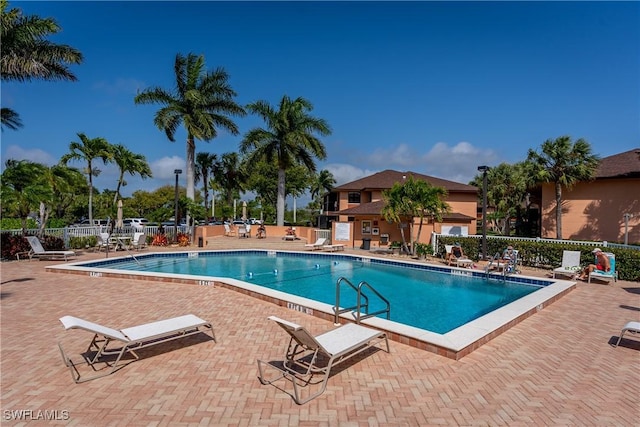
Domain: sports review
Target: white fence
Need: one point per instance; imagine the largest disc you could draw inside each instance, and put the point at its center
(67, 233)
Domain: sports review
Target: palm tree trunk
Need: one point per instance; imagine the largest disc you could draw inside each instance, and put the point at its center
(90, 196)
(280, 201)
(413, 247)
(558, 211)
(205, 189)
(191, 154)
(117, 195)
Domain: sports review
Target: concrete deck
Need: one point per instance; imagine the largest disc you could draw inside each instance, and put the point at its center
(557, 367)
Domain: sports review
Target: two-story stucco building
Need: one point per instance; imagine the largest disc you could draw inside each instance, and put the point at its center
(354, 210)
(599, 209)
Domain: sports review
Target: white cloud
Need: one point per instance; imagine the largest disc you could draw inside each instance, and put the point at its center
(457, 163)
(401, 156)
(163, 168)
(35, 155)
(344, 173)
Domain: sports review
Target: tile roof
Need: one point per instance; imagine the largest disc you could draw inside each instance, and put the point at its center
(622, 165)
(386, 179)
(374, 208)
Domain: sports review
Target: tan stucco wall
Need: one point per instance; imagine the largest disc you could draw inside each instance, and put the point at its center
(463, 203)
(594, 210)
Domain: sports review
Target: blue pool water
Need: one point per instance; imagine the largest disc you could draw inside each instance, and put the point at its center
(419, 297)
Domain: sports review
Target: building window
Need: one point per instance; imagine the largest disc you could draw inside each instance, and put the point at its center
(354, 197)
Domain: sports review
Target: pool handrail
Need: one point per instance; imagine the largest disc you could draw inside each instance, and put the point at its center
(359, 306)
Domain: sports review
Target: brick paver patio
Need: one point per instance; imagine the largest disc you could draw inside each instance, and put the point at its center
(557, 367)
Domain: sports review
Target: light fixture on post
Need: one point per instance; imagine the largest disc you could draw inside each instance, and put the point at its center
(484, 170)
(175, 218)
(626, 227)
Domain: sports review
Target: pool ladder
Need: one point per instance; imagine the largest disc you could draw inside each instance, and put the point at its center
(510, 268)
(357, 309)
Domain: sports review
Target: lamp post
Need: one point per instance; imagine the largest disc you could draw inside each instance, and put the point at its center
(626, 227)
(213, 204)
(484, 170)
(175, 217)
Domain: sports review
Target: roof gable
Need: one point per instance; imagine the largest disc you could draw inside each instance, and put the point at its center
(385, 179)
(620, 165)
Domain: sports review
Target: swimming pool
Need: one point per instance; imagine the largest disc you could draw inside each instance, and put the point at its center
(443, 309)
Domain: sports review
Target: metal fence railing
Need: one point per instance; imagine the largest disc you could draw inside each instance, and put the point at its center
(67, 233)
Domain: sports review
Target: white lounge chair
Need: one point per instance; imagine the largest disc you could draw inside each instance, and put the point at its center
(228, 231)
(606, 276)
(103, 242)
(307, 355)
(447, 253)
(632, 327)
(139, 241)
(333, 247)
(131, 339)
(38, 251)
(570, 264)
(317, 245)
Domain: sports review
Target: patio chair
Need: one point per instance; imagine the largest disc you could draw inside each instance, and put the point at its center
(228, 231)
(139, 241)
(334, 247)
(457, 256)
(103, 242)
(307, 355)
(38, 251)
(447, 253)
(606, 276)
(570, 264)
(243, 231)
(130, 339)
(317, 245)
(631, 327)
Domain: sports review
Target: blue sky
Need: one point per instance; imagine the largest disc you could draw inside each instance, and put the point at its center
(432, 87)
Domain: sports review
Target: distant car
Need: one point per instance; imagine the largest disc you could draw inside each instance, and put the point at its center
(87, 223)
(136, 223)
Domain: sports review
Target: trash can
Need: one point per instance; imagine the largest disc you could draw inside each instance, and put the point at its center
(200, 243)
(366, 244)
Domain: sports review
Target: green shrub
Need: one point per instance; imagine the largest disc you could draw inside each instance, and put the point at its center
(83, 242)
(545, 254)
(11, 245)
(16, 223)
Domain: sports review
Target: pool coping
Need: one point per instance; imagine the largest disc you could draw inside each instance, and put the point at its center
(454, 344)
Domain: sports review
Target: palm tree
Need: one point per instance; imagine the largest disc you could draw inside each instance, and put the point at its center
(10, 119)
(88, 150)
(288, 140)
(322, 183)
(205, 164)
(131, 163)
(564, 163)
(230, 176)
(414, 198)
(506, 192)
(62, 180)
(26, 54)
(201, 101)
(24, 188)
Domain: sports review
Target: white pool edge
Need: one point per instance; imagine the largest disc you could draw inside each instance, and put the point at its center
(454, 344)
